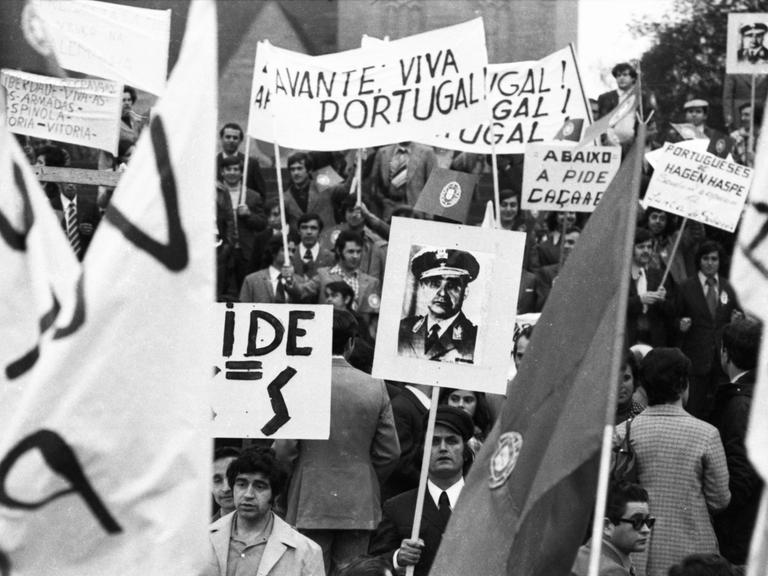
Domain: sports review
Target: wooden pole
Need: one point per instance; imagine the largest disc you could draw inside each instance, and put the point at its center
(281, 199)
(674, 251)
(420, 494)
(241, 198)
(751, 140)
(359, 176)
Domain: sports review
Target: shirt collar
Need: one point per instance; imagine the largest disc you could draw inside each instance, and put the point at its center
(443, 324)
(453, 492)
(315, 250)
(66, 201)
(421, 397)
(703, 280)
(273, 274)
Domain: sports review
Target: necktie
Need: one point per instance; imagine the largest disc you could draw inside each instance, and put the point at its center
(444, 507)
(73, 233)
(712, 296)
(431, 340)
(398, 170)
(307, 256)
(280, 291)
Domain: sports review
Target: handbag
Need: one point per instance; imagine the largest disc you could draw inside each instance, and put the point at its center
(624, 467)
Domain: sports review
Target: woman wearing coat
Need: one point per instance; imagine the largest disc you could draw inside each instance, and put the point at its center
(680, 462)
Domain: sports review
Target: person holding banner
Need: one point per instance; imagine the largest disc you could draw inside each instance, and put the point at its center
(278, 283)
(623, 133)
(662, 227)
(449, 458)
(230, 138)
(303, 194)
(400, 172)
(131, 125)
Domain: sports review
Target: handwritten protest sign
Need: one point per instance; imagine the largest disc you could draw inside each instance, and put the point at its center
(272, 375)
(560, 178)
(404, 90)
(83, 111)
(123, 43)
(699, 186)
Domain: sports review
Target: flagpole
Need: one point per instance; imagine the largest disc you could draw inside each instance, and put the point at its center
(495, 170)
(674, 252)
(281, 199)
(751, 140)
(616, 359)
(359, 176)
(241, 199)
(561, 259)
(424, 469)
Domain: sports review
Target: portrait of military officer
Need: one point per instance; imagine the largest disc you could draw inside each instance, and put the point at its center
(442, 332)
(752, 49)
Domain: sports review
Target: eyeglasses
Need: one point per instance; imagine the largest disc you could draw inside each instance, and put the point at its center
(637, 521)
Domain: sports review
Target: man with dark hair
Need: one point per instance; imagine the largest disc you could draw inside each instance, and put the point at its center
(220, 489)
(231, 137)
(738, 356)
(449, 457)
(626, 529)
(647, 307)
(623, 132)
(334, 496)
(311, 255)
(303, 195)
(546, 275)
(253, 539)
(277, 283)
(443, 333)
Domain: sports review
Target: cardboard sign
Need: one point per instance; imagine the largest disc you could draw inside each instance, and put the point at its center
(465, 280)
(699, 186)
(123, 43)
(272, 375)
(84, 111)
(561, 179)
(529, 101)
(746, 48)
(408, 89)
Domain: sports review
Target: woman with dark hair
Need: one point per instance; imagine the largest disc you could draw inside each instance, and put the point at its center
(704, 304)
(664, 231)
(680, 462)
(474, 404)
(626, 407)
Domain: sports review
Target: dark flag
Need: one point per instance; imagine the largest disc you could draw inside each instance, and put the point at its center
(571, 130)
(447, 193)
(526, 506)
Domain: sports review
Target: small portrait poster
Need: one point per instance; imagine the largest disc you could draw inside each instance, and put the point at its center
(747, 50)
(448, 305)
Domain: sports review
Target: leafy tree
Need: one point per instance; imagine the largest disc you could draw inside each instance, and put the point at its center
(687, 58)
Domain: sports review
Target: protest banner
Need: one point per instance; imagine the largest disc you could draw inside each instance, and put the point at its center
(108, 467)
(699, 186)
(746, 52)
(472, 280)
(123, 43)
(272, 374)
(405, 90)
(563, 179)
(83, 111)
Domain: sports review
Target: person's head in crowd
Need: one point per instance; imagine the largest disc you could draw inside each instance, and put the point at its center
(129, 99)
(273, 254)
(521, 344)
(366, 566)
(707, 564)
(69, 190)
(443, 277)
(344, 331)
(708, 258)
(473, 403)
(231, 170)
(349, 250)
(665, 374)
(627, 524)
(256, 479)
(272, 208)
(569, 241)
(450, 453)
(555, 220)
(310, 225)
(625, 75)
(658, 222)
(230, 135)
(509, 207)
(745, 116)
(741, 345)
(300, 167)
(221, 490)
(696, 112)
(643, 247)
(627, 380)
(353, 212)
(339, 294)
(49, 155)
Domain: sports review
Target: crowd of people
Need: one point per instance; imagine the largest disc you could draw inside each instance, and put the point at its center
(345, 505)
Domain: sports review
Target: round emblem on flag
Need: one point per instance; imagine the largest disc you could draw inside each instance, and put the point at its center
(450, 194)
(374, 301)
(504, 458)
(568, 128)
(323, 179)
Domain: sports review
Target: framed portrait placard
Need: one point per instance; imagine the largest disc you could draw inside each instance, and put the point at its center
(747, 46)
(448, 306)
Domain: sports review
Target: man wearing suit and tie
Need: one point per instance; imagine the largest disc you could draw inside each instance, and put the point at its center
(79, 216)
(277, 283)
(444, 333)
(311, 254)
(448, 456)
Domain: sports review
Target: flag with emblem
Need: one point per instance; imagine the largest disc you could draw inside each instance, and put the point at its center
(534, 482)
(571, 130)
(447, 194)
(104, 462)
(749, 275)
(627, 105)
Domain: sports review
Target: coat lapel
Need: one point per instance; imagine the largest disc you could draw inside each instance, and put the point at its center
(279, 541)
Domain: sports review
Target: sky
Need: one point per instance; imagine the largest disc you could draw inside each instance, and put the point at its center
(605, 40)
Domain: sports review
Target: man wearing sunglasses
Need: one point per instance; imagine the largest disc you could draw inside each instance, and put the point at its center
(626, 529)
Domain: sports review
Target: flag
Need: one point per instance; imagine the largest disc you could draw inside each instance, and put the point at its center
(571, 130)
(448, 194)
(627, 105)
(528, 498)
(104, 466)
(749, 275)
